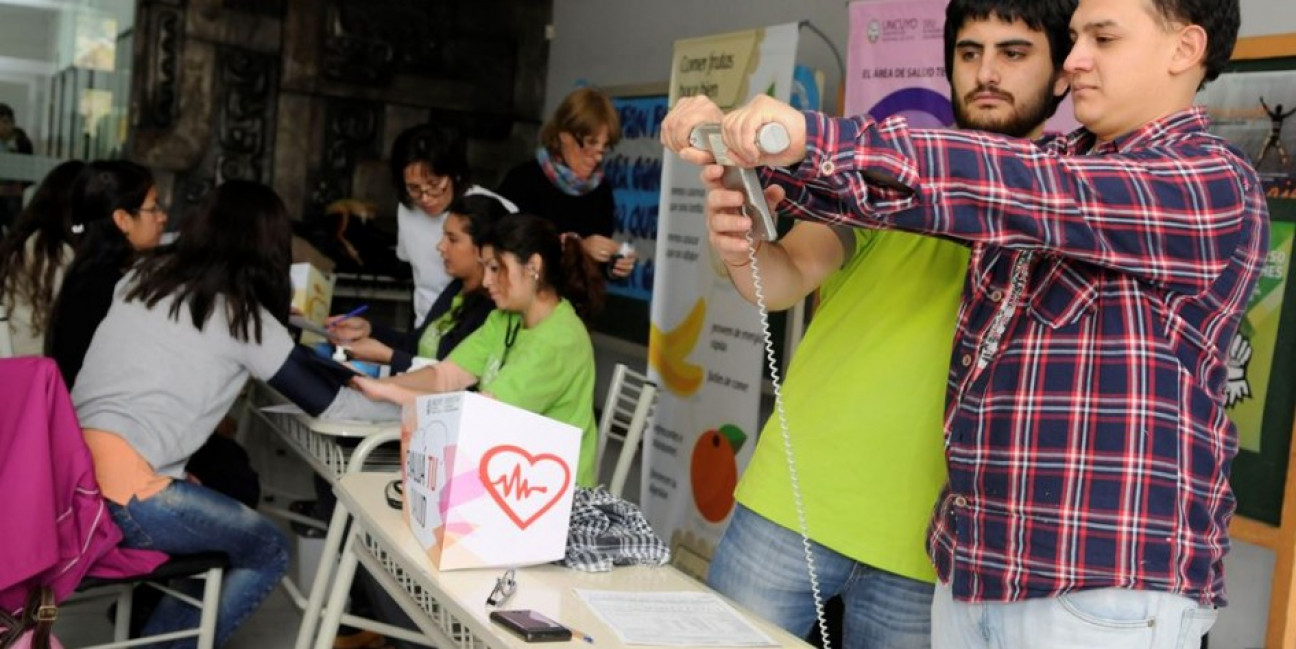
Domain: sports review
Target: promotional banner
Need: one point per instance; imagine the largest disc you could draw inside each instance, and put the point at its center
(705, 342)
(634, 168)
(896, 65)
(1250, 110)
(1251, 354)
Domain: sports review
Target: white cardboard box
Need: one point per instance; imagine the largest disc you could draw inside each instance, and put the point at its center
(487, 484)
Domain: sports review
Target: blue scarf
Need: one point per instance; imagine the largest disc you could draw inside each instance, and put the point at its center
(563, 178)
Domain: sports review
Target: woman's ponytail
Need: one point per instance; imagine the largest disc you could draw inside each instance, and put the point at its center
(583, 283)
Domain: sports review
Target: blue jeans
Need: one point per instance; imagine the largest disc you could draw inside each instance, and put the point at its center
(186, 518)
(1112, 618)
(761, 565)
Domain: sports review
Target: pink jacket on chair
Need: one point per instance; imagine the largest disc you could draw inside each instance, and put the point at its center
(54, 526)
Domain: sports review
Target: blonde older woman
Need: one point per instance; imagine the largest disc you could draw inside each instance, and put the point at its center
(564, 182)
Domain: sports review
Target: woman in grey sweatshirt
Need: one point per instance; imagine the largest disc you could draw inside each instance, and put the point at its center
(187, 326)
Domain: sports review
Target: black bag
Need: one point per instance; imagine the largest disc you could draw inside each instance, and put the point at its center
(224, 466)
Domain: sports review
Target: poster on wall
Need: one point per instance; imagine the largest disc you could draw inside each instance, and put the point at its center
(896, 65)
(705, 343)
(1256, 111)
(1251, 354)
(634, 168)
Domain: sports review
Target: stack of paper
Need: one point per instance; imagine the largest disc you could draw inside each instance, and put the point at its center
(673, 619)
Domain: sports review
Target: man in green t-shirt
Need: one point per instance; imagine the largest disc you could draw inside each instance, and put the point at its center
(865, 392)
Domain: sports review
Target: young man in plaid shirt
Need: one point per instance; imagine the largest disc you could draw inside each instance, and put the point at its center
(871, 465)
(1086, 440)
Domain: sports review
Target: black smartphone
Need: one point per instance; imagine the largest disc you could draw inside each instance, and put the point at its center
(531, 626)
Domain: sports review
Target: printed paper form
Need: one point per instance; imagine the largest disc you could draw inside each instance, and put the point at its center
(673, 619)
(284, 409)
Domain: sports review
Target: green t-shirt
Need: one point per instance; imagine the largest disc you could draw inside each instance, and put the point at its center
(431, 339)
(864, 398)
(549, 370)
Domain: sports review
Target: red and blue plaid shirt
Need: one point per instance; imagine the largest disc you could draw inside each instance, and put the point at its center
(1086, 437)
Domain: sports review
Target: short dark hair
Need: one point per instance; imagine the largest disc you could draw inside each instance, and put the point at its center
(1053, 17)
(443, 150)
(479, 212)
(234, 255)
(6, 111)
(1219, 18)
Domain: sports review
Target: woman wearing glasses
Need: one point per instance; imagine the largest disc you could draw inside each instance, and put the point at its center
(457, 312)
(116, 214)
(429, 169)
(564, 182)
(533, 352)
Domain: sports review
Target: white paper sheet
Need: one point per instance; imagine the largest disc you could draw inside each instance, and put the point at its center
(284, 408)
(673, 619)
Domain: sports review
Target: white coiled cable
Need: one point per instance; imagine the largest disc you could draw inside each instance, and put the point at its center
(793, 477)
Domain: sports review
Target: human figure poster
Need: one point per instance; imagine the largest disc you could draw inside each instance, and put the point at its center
(1256, 111)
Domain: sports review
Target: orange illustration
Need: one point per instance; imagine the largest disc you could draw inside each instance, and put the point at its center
(714, 471)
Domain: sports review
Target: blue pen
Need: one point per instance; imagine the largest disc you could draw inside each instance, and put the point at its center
(349, 314)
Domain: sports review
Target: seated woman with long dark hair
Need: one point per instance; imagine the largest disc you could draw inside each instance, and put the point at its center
(533, 351)
(115, 215)
(187, 326)
(33, 257)
(457, 312)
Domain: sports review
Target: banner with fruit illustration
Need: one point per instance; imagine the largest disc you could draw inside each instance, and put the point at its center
(705, 343)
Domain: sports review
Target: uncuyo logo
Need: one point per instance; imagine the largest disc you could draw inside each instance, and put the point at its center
(874, 31)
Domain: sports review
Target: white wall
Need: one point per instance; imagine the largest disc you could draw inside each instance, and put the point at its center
(26, 33)
(27, 45)
(1262, 17)
(628, 42)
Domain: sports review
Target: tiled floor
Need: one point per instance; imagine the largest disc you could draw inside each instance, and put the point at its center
(275, 623)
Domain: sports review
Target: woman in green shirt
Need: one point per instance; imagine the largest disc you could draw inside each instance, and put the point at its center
(533, 351)
(457, 312)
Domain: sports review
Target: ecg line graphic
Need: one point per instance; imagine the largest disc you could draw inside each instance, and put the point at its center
(514, 480)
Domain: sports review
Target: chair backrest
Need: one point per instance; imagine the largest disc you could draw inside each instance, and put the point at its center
(630, 401)
(6, 341)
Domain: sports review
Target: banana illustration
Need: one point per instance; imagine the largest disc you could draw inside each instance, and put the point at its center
(667, 351)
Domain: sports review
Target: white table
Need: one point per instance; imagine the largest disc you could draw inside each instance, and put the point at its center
(450, 607)
(322, 443)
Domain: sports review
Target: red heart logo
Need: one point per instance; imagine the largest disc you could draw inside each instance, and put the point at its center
(525, 486)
